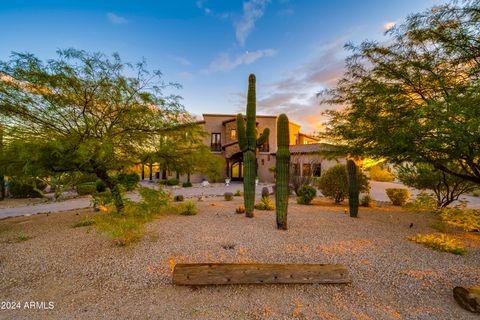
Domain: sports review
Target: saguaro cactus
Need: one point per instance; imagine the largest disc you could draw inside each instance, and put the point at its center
(353, 191)
(248, 142)
(282, 171)
(2, 178)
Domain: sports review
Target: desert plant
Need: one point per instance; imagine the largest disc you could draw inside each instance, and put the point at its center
(423, 202)
(353, 191)
(190, 209)
(86, 188)
(186, 184)
(248, 142)
(85, 222)
(367, 201)
(282, 171)
(265, 192)
(100, 185)
(173, 182)
(398, 196)
(178, 198)
(228, 196)
(377, 173)
(306, 194)
(238, 193)
(468, 220)
(265, 203)
(334, 183)
(240, 209)
(21, 236)
(128, 180)
(440, 242)
(24, 188)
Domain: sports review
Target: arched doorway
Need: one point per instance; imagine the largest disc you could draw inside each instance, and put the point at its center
(236, 167)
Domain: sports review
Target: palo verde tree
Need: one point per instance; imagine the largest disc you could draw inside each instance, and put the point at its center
(415, 97)
(84, 112)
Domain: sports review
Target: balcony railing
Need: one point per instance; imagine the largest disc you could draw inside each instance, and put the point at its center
(216, 147)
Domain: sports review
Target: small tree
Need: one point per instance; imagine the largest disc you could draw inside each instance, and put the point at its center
(334, 183)
(447, 188)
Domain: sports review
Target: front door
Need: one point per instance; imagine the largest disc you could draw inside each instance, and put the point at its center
(236, 172)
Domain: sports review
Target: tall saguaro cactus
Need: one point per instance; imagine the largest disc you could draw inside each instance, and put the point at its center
(353, 190)
(282, 171)
(248, 142)
(2, 177)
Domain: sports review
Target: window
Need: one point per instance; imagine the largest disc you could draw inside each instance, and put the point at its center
(233, 134)
(216, 144)
(307, 170)
(317, 169)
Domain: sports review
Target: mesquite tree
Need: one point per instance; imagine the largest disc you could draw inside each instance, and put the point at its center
(84, 112)
(248, 142)
(282, 171)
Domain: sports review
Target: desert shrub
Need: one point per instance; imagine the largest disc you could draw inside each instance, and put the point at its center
(240, 209)
(20, 189)
(376, 173)
(468, 220)
(190, 209)
(86, 188)
(86, 177)
(265, 192)
(100, 186)
(178, 198)
(306, 194)
(423, 202)
(265, 203)
(398, 196)
(186, 184)
(128, 180)
(85, 222)
(228, 196)
(476, 194)
(21, 236)
(163, 182)
(334, 183)
(238, 193)
(367, 201)
(440, 242)
(173, 182)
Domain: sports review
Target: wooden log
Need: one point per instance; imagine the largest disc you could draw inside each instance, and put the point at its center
(230, 273)
(468, 298)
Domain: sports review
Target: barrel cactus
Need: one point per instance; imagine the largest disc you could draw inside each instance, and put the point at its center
(353, 191)
(282, 171)
(248, 142)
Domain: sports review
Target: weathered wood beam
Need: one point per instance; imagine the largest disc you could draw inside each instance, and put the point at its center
(230, 273)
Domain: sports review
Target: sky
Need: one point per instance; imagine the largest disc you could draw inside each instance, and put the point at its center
(295, 47)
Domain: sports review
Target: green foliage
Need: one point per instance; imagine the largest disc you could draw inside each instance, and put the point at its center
(282, 171)
(334, 184)
(187, 184)
(85, 222)
(468, 220)
(21, 236)
(367, 201)
(423, 202)
(248, 142)
(228, 196)
(86, 177)
(86, 188)
(173, 182)
(238, 193)
(190, 209)
(447, 188)
(178, 198)
(398, 196)
(414, 96)
(266, 203)
(163, 182)
(377, 173)
(24, 189)
(440, 242)
(100, 186)
(128, 180)
(306, 194)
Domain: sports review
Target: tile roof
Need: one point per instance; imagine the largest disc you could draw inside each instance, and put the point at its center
(309, 148)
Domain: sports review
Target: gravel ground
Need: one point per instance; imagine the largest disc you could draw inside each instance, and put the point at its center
(86, 277)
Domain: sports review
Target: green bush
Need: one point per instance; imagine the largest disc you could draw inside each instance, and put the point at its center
(128, 180)
(376, 173)
(173, 182)
(468, 220)
(238, 193)
(163, 182)
(190, 209)
(101, 186)
(86, 177)
(23, 190)
(367, 201)
(334, 183)
(228, 196)
(265, 203)
(398, 196)
(306, 194)
(186, 184)
(178, 198)
(86, 188)
(440, 242)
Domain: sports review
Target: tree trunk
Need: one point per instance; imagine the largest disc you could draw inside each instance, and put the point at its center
(188, 177)
(143, 171)
(151, 172)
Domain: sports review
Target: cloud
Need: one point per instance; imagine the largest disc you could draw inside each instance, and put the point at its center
(389, 25)
(181, 60)
(224, 62)
(185, 75)
(209, 11)
(116, 19)
(252, 11)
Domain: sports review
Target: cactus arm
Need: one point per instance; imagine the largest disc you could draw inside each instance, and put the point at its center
(251, 114)
(241, 134)
(282, 172)
(264, 137)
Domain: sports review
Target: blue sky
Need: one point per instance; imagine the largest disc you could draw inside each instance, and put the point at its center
(210, 46)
